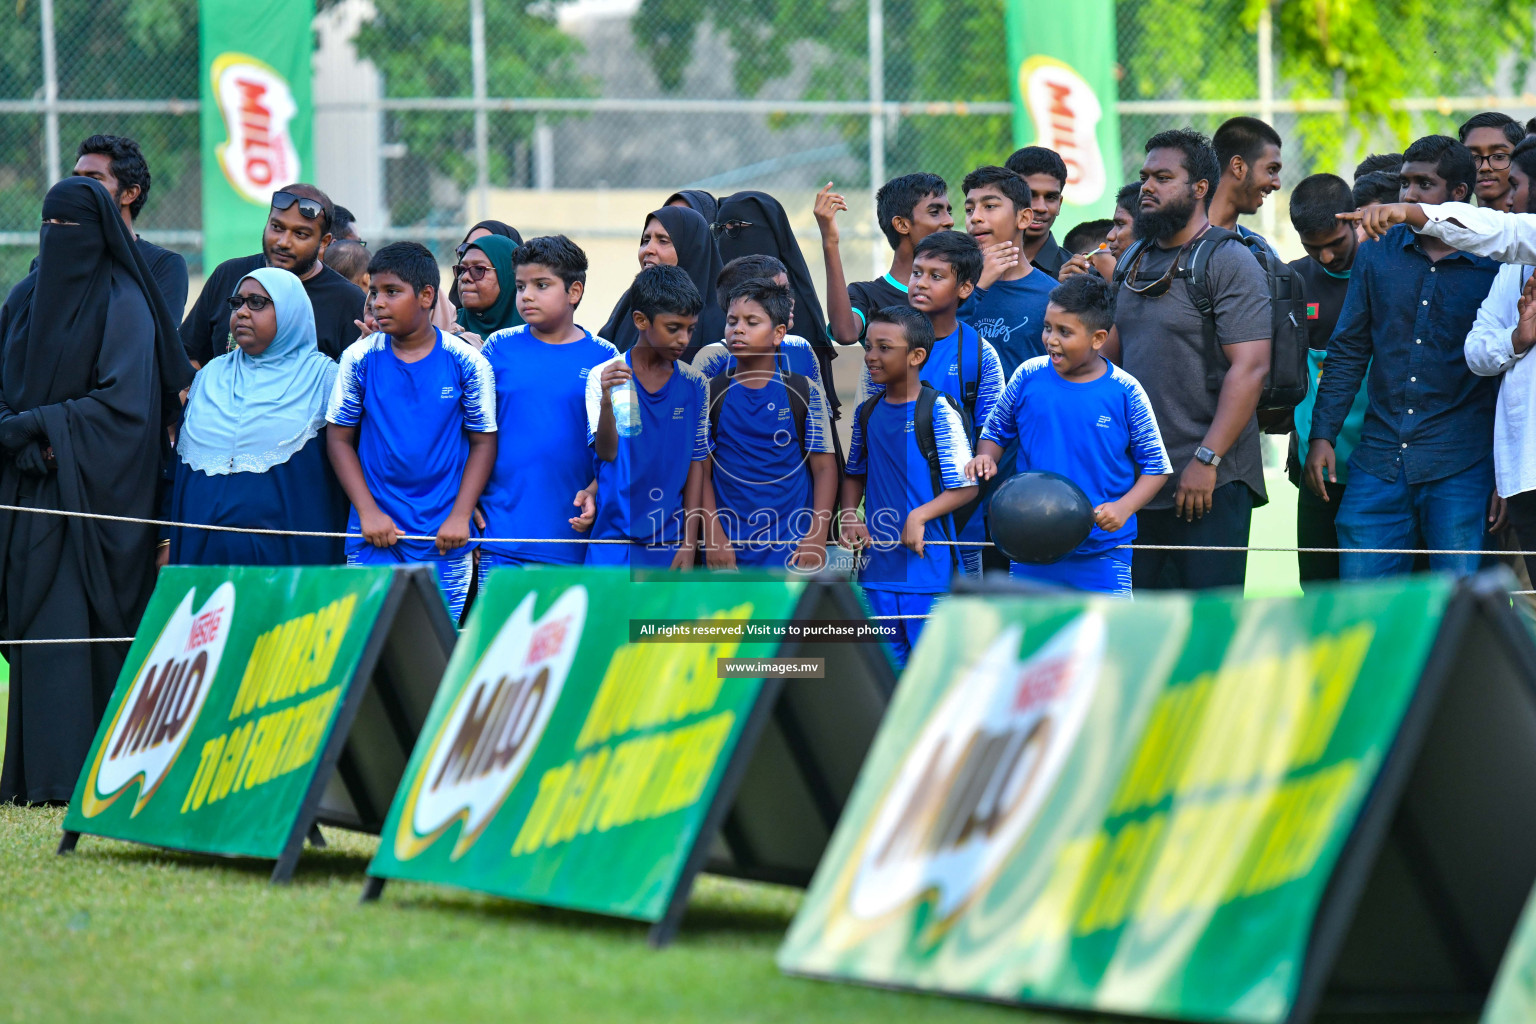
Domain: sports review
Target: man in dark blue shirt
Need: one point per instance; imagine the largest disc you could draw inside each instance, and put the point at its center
(1422, 473)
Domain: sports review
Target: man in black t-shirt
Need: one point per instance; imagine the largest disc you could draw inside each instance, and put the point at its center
(1331, 245)
(910, 208)
(118, 163)
(1046, 173)
(298, 230)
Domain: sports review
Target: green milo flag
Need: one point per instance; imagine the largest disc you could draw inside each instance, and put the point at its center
(1061, 58)
(1123, 807)
(256, 115)
(227, 700)
(563, 764)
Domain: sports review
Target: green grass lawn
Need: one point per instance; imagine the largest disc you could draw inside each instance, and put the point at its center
(1274, 525)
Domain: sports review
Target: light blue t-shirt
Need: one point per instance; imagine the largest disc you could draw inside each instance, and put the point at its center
(640, 493)
(762, 480)
(541, 410)
(897, 480)
(412, 420)
(1096, 433)
(795, 356)
(1011, 316)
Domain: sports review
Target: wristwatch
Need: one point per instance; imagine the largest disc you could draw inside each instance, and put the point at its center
(1205, 455)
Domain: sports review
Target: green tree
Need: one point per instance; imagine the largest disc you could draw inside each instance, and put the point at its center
(422, 49)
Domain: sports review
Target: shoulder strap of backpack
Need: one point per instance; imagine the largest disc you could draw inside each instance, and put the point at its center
(866, 408)
(799, 387)
(1197, 262)
(970, 384)
(717, 387)
(928, 445)
(1126, 261)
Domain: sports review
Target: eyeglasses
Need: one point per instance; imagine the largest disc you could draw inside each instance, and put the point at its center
(308, 208)
(730, 227)
(475, 273)
(257, 303)
(1497, 161)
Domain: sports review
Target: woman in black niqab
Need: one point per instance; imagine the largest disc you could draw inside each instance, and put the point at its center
(755, 224)
(90, 370)
(693, 249)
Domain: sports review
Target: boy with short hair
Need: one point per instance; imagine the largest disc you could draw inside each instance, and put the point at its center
(413, 427)
(541, 487)
(1074, 413)
(350, 260)
(773, 471)
(961, 363)
(650, 485)
(1248, 153)
(795, 353)
(1008, 305)
(1045, 172)
(908, 498)
(909, 209)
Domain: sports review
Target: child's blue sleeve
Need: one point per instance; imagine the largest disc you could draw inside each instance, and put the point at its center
(818, 424)
(712, 358)
(990, 388)
(345, 409)
(857, 463)
(477, 388)
(703, 444)
(1002, 426)
(595, 398)
(954, 447)
(1147, 449)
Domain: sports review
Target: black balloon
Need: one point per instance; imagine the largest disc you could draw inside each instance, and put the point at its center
(1039, 518)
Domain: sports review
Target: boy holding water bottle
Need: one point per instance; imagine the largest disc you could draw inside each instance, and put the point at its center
(648, 424)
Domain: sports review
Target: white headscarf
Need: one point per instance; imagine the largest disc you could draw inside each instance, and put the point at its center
(246, 414)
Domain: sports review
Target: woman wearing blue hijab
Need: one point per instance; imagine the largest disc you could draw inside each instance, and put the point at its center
(252, 443)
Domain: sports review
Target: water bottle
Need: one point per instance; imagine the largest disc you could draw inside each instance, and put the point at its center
(626, 409)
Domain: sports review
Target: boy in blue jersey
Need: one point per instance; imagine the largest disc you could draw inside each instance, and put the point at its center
(413, 421)
(1008, 305)
(1076, 414)
(962, 364)
(888, 471)
(772, 480)
(795, 353)
(650, 485)
(542, 487)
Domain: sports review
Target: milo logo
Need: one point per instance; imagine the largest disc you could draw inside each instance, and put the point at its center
(494, 726)
(257, 105)
(157, 715)
(974, 782)
(1066, 113)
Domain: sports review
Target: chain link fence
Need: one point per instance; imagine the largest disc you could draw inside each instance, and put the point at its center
(576, 115)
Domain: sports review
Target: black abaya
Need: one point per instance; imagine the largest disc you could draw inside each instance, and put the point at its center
(696, 254)
(89, 371)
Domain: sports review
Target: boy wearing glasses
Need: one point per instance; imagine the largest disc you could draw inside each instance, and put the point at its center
(412, 428)
(542, 485)
(1492, 138)
(1206, 412)
(298, 230)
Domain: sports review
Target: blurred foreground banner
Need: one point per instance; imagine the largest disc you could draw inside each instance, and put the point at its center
(1198, 808)
(1062, 63)
(256, 115)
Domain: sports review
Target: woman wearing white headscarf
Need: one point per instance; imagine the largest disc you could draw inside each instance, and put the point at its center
(252, 443)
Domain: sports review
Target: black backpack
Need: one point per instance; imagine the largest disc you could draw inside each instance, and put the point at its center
(970, 387)
(927, 444)
(797, 384)
(1285, 387)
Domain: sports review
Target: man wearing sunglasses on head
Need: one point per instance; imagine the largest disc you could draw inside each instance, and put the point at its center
(298, 230)
(1204, 392)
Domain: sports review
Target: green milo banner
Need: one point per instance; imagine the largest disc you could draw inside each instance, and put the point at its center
(1061, 59)
(256, 115)
(1134, 808)
(226, 702)
(563, 764)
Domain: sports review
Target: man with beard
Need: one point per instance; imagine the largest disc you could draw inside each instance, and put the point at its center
(1206, 412)
(298, 230)
(1505, 328)
(1422, 472)
(1248, 153)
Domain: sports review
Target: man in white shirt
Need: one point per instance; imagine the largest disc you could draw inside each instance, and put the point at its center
(1505, 328)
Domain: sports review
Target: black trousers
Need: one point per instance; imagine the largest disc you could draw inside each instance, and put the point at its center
(1521, 509)
(1315, 529)
(1225, 524)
